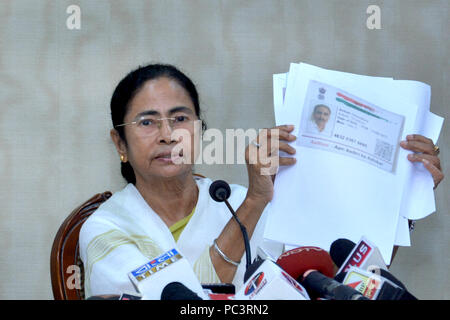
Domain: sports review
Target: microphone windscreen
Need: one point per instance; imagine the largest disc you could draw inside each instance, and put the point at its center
(299, 260)
(178, 291)
(219, 190)
(340, 249)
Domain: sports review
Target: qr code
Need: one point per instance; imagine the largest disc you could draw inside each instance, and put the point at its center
(384, 150)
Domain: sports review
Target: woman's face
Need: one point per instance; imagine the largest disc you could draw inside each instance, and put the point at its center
(151, 151)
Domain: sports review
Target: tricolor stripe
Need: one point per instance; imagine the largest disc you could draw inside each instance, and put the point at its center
(355, 102)
(360, 109)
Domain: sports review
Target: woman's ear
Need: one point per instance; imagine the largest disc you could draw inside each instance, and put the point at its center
(120, 145)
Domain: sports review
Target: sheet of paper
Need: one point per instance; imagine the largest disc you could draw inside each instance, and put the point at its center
(402, 236)
(417, 93)
(419, 200)
(279, 87)
(315, 187)
(280, 84)
(279, 90)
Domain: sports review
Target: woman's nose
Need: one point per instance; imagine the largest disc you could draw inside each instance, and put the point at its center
(165, 131)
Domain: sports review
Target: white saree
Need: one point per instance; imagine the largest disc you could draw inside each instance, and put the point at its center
(125, 233)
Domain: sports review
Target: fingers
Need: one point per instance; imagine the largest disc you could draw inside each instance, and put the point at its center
(425, 152)
(434, 160)
(418, 137)
(418, 143)
(287, 148)
(268, 152)
(280, 132)
(286, 127)
(435, 172)
(418, 146)
(275, 140)
(431, 163)
(270, 139)
(287, 161)
(264, 150)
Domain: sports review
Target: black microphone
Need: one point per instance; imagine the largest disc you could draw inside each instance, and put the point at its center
(220, 191)
(341, 249)
(178, 291)
(318, 284)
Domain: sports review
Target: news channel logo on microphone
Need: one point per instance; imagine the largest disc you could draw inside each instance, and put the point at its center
(156, 264)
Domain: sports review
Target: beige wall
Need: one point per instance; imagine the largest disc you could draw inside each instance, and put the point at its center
(55, 87)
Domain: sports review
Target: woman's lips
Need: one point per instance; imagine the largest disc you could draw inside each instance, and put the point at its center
(167, 157)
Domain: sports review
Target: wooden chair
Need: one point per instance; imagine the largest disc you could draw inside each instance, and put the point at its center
(65, 259)
(65, 256)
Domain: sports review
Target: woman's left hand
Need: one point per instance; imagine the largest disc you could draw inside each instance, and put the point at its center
(425, 152)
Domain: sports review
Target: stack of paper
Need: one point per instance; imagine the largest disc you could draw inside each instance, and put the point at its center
(352, 178)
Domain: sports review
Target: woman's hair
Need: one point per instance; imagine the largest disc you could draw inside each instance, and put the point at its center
(129, 86)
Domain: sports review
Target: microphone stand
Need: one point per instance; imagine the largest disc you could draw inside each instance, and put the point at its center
(220, 191)
(244, 234)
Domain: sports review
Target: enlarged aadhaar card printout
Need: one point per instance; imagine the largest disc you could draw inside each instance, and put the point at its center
(337, 121)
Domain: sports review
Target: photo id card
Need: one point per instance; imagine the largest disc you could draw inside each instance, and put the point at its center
(337, 121)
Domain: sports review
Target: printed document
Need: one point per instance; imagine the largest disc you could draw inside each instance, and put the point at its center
(351, 175)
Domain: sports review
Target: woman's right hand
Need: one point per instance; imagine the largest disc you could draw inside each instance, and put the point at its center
(263, 160)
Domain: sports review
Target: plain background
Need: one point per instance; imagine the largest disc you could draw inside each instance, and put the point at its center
(56, 84)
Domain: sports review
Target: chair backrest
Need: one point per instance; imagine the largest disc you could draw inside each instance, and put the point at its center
(66, 268)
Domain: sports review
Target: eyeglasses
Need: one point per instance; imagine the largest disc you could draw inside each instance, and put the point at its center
(147, 125)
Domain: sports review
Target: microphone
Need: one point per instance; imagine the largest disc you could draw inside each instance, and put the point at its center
(299, 260)
(178, 291)
(313, 268)
(267, 281)
(220, 191)
(363, 273)
(329, 288)
(362, 255)
(342, 250)
(219, 291)
(373, 286)
(151, 278)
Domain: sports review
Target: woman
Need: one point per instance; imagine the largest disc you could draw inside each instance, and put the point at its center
(163, 198)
